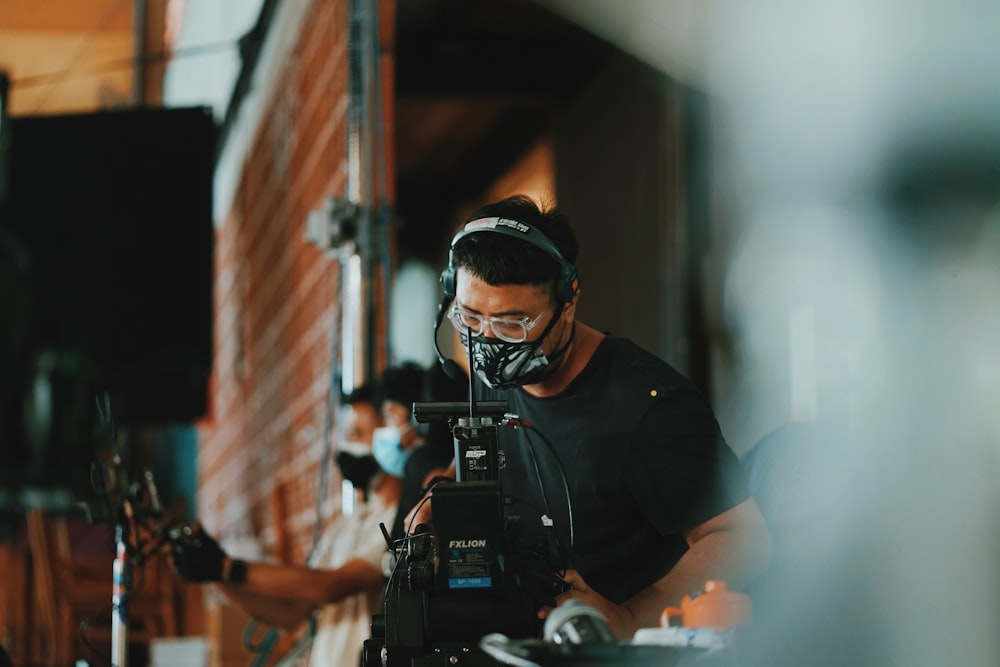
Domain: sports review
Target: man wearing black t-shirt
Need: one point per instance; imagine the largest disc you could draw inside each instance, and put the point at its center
(621, 454)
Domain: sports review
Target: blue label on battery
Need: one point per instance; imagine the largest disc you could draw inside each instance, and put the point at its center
(470, 582)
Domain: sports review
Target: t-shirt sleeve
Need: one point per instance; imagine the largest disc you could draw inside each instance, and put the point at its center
(680, 470)
(371, 542)
(353, 536)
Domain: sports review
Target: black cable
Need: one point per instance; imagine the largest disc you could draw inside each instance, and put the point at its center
(85, 623)
(434, 482)
(406, 538)
(399, 544)
(557, 568)
(395, 567)
(538, 476)
(562, 474)
(523, 501)
(417, 509)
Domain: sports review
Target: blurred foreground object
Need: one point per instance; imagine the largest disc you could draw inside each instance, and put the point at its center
(715, 607)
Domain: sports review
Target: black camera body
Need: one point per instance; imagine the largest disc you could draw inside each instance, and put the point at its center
(473, 571)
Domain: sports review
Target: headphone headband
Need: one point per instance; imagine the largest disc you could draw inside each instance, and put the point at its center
(568, 282)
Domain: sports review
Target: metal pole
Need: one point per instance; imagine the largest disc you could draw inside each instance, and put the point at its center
(119, 601)
(139, 52)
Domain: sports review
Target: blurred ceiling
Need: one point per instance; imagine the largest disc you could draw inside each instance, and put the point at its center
(475, 85)
(76, 56)
(474, 80)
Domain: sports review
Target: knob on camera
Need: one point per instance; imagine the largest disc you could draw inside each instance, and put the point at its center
(419, 559)
(577, 623)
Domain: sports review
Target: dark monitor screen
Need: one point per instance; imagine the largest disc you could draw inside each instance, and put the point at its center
(106, 273)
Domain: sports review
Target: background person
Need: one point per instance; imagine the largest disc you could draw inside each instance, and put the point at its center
(343, 579)
(399, 389)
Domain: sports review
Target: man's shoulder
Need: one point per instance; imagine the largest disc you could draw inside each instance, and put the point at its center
(636, 363)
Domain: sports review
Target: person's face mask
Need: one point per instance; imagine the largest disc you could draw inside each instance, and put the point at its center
(502, 365)
(356, 464)
(388, 450)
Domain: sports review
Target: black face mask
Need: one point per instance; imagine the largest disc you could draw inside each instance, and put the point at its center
(358, 470)
(503, 365)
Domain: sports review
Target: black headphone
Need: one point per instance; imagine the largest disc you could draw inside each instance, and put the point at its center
(566, 285)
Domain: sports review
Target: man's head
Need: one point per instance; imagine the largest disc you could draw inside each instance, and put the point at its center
(398, 388)
(358, 420)
(543, 256)
(513, 278)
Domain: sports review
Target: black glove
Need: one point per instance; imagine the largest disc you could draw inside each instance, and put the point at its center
(196, 556)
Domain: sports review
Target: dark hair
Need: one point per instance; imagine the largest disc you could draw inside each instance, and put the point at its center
(503, 260)
(404, 384)
(362, 394)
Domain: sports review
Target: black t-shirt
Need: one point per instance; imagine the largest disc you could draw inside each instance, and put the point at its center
(643, 458)
(437, 452)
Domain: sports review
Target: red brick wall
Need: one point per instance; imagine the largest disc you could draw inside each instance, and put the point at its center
(260, 449)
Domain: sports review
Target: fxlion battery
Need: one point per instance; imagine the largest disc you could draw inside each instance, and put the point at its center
(469, 526)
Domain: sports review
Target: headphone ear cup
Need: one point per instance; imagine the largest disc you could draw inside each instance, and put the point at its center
(569, 283)
(448, 281)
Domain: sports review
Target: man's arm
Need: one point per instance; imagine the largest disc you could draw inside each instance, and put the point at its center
(285, 595)
(280, 595)
(307, 584)
(275, 612)
(733, 546)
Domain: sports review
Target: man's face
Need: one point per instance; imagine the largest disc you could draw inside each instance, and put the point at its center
(360, 420)
(397, 414)
(514, 302)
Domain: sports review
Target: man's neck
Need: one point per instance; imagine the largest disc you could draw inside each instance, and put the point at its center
(574, 360)
(387, 489)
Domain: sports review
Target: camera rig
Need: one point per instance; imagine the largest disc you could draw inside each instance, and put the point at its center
(132, 505)
(137, 514)
(474, 570)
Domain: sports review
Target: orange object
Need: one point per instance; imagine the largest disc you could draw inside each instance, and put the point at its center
(716, 607)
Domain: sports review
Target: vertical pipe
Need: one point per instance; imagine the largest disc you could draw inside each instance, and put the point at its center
(352, 270)
(360, 298)
(352, 185)
(119, 600)
(138, 52)
(352, 339)
(367, 236)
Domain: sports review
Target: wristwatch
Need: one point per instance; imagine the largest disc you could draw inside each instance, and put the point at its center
(237, 572)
